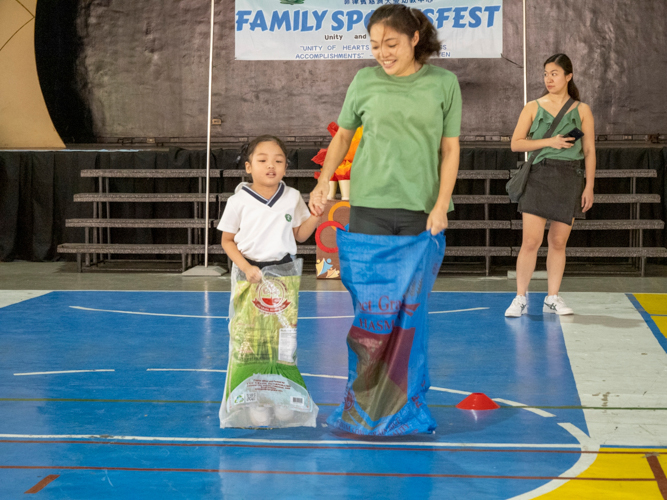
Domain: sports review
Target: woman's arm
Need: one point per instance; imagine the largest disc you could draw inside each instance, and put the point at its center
(449, 167)
(336, 152)
(520, 141)
(588, 146)
(253, 273)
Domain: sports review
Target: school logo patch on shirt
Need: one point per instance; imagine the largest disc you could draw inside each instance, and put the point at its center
(288, 217)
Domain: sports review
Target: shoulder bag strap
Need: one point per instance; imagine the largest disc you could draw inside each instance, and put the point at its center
(556, 122)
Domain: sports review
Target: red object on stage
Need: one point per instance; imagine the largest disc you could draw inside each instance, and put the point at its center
(478, 401)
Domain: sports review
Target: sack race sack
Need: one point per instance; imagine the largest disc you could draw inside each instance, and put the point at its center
(264, 388)
(516, 186)
(389, 278)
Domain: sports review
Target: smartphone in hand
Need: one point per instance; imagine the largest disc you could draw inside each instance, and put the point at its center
(576, 133)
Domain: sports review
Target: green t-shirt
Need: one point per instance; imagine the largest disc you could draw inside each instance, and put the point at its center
(397, 164)
(542, 124)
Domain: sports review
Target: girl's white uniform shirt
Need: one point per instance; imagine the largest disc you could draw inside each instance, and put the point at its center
(264, 228)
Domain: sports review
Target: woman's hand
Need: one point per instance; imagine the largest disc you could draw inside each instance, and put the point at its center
(561, 142)
(318, 197)
(587, 199)
(253, 274)
(437, 220)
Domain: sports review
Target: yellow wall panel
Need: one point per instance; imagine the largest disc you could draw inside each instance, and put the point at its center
(12, 17)
(26, 123)
(30, 5)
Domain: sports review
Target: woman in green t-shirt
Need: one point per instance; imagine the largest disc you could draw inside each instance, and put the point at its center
(406, 164)
(555, 190)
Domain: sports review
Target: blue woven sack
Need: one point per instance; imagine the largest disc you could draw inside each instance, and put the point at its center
(389, 278)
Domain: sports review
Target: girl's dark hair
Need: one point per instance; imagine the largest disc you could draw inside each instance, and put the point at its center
(564, 62)
(250, 148)
(406, 20)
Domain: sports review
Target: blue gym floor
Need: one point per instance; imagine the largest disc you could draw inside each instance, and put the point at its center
(135, 415)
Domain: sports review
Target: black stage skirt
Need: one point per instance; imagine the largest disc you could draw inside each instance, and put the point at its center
(554, 191)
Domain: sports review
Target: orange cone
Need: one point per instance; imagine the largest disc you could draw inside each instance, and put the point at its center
(478, 401)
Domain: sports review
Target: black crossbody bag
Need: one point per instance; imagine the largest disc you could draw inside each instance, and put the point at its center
(517, 184)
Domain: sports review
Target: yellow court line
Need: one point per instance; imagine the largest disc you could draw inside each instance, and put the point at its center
(653, 303)
(614, 465)
(661, 323)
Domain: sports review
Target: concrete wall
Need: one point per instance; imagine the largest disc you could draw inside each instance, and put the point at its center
(142, 70)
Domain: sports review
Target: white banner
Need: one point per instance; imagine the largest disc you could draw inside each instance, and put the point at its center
(336, 29)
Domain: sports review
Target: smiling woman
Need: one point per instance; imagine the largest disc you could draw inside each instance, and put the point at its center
(404, 172)
(406, 164)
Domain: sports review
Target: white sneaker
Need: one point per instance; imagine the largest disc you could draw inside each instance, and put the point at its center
(556, 305)
(517, 307)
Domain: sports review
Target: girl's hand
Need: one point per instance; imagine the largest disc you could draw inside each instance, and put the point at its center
(318, 197)
(561, 142)
(437, 220)
(253, 274)
(587, 199)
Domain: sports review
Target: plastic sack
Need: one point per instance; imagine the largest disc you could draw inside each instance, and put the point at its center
(264, 388)
(389, 278)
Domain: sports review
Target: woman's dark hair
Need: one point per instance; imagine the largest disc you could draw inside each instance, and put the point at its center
(250, 148)
(564, 62)
(406, 20)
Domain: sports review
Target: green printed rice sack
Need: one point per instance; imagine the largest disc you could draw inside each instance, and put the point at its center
(264, 387)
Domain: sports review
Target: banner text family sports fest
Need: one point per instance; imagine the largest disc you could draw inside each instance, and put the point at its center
(323, 32)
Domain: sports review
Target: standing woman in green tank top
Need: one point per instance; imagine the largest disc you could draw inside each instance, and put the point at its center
(556, 189)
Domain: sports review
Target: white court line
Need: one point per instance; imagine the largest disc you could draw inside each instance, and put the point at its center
(184, 370)
(225, 371)
(537, 411)
(59, 372)
(453, 391)
(107, 437)
(227, 317)
(147, 314)
(584, 462)
(460, 310)
(324, 376)
(340, 377)
(325, 317)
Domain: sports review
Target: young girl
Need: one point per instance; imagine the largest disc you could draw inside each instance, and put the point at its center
(260, 226)
(554, 186)
(263, 219)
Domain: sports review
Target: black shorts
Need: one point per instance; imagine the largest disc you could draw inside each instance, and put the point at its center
(387, 221)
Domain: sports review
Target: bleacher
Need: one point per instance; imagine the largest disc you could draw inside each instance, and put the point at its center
(98, 246)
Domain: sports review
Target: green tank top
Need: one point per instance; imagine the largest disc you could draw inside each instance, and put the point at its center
(542, 123)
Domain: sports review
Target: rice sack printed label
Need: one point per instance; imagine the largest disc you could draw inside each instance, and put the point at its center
(264, 387)
(389, 278)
